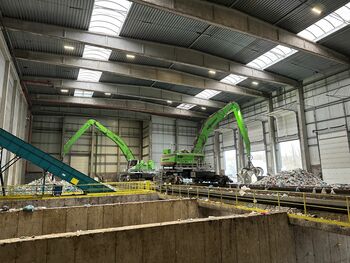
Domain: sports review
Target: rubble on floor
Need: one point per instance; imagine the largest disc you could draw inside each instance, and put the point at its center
(36, 187)
(297, 177)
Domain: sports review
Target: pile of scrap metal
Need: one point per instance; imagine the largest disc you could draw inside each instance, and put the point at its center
(297, 177)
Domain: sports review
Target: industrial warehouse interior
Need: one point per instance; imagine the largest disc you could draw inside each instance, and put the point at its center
(175, 131)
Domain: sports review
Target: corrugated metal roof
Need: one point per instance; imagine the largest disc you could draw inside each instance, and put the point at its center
(303, 17)
(294, 15)
(112, 78)
(198, 71)
(301, 65)
(153, 24)
(339, 41)
(29, 68)
(228, 97)
(35, 89)
(69, 13)
(262, 86)
(183, 89)
(121, 57)
(22, 40)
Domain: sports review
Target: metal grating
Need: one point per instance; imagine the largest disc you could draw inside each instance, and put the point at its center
(69, 13)
(301, 65)
(121, 57)
(22, 40)
(29, 68)
(339, 41)
(157, 25)
(113, 78)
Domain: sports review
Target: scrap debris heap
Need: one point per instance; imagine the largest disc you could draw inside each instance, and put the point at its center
(297, 177)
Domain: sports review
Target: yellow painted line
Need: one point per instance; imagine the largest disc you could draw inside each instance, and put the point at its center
(320, 220)
(46, 197)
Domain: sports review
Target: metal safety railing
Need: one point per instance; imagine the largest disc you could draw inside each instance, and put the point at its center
(306, 202)
(37, 190)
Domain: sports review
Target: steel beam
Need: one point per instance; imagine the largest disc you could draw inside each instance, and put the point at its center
(133, 91)
(138, 71)
(115, 104)
(168, 53)
(235, 20)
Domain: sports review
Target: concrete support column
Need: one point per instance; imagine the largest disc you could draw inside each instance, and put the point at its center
(217, 157)
(4, 99)
(118, 151)
(304, 146)
(91, 169)
(273, 156)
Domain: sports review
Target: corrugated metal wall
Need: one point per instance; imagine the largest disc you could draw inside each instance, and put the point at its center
(93, 153)
(170, 133)
(13, 112)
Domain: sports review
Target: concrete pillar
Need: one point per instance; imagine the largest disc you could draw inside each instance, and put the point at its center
(217, 163)
(141, 141)
(118, 151)
(4, 99)
(273, 156)
(304, 146)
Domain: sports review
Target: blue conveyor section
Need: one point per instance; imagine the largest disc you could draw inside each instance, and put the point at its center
(50, 164)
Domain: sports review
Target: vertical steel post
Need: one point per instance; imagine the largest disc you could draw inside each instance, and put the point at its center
(348, 207)
(1, 176)
(304, 200)
(278, 199)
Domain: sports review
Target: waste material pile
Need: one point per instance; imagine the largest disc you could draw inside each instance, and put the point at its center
(297, 177)
(36, 187)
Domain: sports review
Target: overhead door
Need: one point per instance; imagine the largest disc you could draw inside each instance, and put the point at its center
(335, 156)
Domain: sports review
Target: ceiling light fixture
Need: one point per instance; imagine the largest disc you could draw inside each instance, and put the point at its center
(255, 83)
(108, 94)
(169, 101)
(203, 108)
(64, 90)
(316, 10)
(130, 56)
(212, 72)
(68, 47)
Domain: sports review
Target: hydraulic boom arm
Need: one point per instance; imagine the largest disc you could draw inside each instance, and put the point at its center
(213, 120)
(115, 138)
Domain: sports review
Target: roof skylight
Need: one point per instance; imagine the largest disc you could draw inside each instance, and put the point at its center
(185, 106)
(89, 75)
(272, 57)
(207, 94)
(108, 16)
(98, 53)
(233, 79)
(83, 93)
(327, 25)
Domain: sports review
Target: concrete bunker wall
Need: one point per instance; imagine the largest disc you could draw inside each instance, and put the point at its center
(70, 219)
(246, 238)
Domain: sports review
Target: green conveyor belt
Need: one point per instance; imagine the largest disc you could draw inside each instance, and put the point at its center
(50, 164)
